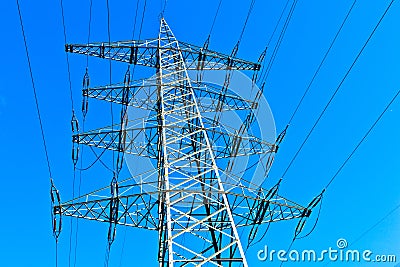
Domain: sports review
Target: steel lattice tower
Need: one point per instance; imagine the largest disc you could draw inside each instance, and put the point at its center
(184, 198)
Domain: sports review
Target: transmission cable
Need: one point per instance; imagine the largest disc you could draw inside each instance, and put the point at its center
(34, 92)
(110, 70)
(270, 38)
(262, 59)
(229, 71)
(375, 225)
(134, 22)
(247, 19)
(277, 23)
(133, 36)
(80, 147)
(236, 48)
(372, 227)
(341, 168)
(67, 58)
(163, 6)
(362, 139)
(338, 88)
(89, 30)
(265, 69)
(142, 20)
(107, 256)
(213, 24)
(133, 71)
(74, 122)
(322, 62)
(38, 111)
(97, 158)
(349, 157)
(264, 76)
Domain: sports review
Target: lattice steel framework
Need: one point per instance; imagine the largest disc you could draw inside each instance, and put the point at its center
(184, 197)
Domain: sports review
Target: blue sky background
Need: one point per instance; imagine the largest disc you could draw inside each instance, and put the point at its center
(364, 192)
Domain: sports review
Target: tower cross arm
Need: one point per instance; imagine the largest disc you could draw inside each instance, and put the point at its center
(143, 141)
(144, 53)
(138, 207)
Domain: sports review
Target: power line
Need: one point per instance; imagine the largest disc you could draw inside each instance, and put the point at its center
(141, 23)
(97, 158)
(107, 256)
(110, 69)
(372, 227)
(338, 88)
(357, 146)
(163, 6)
(263, 59)
(73, 119)
(213, 22)
(34, 91)
(84, 111)
(343, 165)
(133, 71)
(89, 29)
(278, 22)
(322, 62)
(278, 44)
(67, 58)
(38, 112)
(134, 22)
(252, 3)
(81, 149)
(375, 225)
(362, 139)
(272, 35)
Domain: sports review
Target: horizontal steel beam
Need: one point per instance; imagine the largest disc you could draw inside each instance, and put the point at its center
(139, 208)
(144, 53)
(143, 94)
(143, 141)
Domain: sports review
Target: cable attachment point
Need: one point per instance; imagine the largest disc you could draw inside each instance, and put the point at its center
(274, 150)
(202, 60)
(235, 50)
(56, 210)
(280, 137)
(257, 67)
(207, 42)
(74, 124)
(306, 214)
(262, 88)
(75, 132)
(125, 91)
(270, 160)
(85, 93)
(261, 208)
(127, 78)
(113, 216)
(258, 97)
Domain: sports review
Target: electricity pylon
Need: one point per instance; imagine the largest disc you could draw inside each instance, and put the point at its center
(187, 196)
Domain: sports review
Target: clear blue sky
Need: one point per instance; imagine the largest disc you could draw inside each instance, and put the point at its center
(364, 192)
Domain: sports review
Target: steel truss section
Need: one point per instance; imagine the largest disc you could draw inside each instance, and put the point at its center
(145, 52)
(195, 220)
(142, 94)
(138, 204)
(142, 141)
